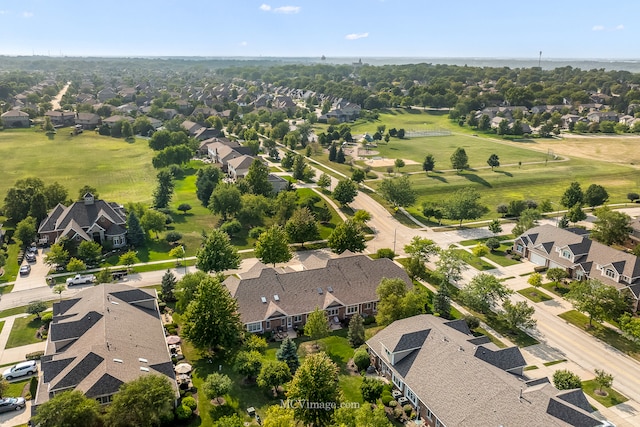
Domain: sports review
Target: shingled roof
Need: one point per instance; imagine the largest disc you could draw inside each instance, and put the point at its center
(106, 336)
(347, 280)
(462, 389)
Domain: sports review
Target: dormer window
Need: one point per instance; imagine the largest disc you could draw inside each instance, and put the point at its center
(610, 273)
(566, 254)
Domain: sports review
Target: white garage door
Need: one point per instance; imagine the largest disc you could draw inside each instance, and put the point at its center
(554, 265)
(538, 259)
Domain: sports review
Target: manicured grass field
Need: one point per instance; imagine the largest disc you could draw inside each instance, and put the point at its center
(499, 256)
(16, 388)
(534, 294)
(472, 260)
(24, 332)
(611, 398)
(603, 333)
(121, 171)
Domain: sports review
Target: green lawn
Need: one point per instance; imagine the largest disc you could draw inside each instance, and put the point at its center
(473, 260)
(554, 362)
(500, 256)
(121, 171)
(16, 388)
(611, 398)
(501, 237)
(24, 332)
(559, 289)
(5, 289)
(603, 333)
(534, 294)
(19, 310)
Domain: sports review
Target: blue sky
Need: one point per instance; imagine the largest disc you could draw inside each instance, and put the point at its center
(311, 28)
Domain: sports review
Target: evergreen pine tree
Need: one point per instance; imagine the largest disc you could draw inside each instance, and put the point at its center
(356, 331)
(332, 153)
(442, 301)
(168, 285)
(135, 232)
(288, 353)
(340, 156)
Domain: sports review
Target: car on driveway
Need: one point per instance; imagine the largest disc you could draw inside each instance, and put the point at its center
(12, 404)
(21, 369)
(25, 270)
(30, 257)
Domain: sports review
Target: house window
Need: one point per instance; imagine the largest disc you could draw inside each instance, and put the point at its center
(566, 254)
(519, 248)
(397, 381)
(103, 400)
(367, 306)
(610, 273)
(411, 396)
(297, 319)
(579, 275)
(429, 414)
(254, 327)
(352, 309)
(332, 312)
(438, 423)
(626, 279)
(374, 306)
(268, 324)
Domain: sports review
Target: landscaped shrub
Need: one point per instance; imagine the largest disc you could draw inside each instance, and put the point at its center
(398, 412)
(36, 355)
(362, 359)
(472, 322)
(255, 232)
(386, 399)
(190, 403)
(407, 409)
(393, 404)
(385, 253)
(33, 386)
(183, 412)
(369, 320)
(173, 236)
(47, 317)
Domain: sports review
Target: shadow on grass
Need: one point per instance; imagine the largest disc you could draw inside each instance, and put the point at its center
(438, 178)
(505, 173)
(476, 179)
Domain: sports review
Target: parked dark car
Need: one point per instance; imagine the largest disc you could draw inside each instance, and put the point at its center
(25, 270)
(12, 404)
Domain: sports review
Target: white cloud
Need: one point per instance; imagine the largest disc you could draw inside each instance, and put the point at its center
(598, 27)
(265, 7)
(27, 14)
(4, 12)
(356, 36)
(243, 43)
(287, 9)
(620, 27)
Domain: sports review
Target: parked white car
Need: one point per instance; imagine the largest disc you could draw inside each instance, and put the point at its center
(21, 369)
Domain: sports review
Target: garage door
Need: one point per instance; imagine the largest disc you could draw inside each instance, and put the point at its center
(538, 259)
(554, 265)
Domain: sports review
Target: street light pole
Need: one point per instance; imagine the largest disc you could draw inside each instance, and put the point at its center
(395, 230)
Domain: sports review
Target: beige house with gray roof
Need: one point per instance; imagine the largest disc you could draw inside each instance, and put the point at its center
(94, 347)
(270, 300)
(455, 379)
(581, 257)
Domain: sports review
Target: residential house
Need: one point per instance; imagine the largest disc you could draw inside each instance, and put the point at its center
(15, 119)
(567, 119)
(238, 167)
(61, 118)
(452, 378)
(88, 120)
(89, 219)
(581, 257)
(106, 94)
(128, 94)
(93, 347)
(206, 133)
(269, 300)
(191, 127)
(602, 116)
(278, 183)
(115, 119)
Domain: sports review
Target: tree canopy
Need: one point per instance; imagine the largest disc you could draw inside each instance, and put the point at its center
(398, 191)
(347, 236)
(464, 205)
(217, 253)
(146, 402)
(273, 246)
(68, 409)
(611, 227)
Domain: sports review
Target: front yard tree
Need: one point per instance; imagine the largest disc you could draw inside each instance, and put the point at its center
(483, 292)
(324, 181)
(356, 331)
(168, 285)
(135, 232)
(128, 259)
(495, 226)
(57, 255)
(566, 380)
(146, 402)
(347, 236)
(217, 253)
(164, 191)
(493, 161)
(464, 205)
(272, 246)
(611, 227)
(302, 226)
(556, 274)
(572, 195)
(535, 280)
(630, 325)
(603, 379)
(74, 265)
(317, 326)
(59, 289)
(216, 385)
(154, 221)
(315, 381)
(26, 231)
(492, 243)
(450, 266)
(248, 363)
(598, 300)
(371, 389)
(459, 159)
(518, 315)
(69, 408)
(273, 374)
(90, 252)
(345, 191)
(429, 163)
(398, 191)
(595, 195)
(288, 353)
(36, 307)
(225, 200)
(211, 319)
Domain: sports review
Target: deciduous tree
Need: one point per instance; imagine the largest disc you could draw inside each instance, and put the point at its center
(347, 236)
(356, 331)
(146, 401)
(216, 385)
(68, 409)
(317, 326)
(225, 200)
(273, 374)
(566, 380)
(207, 179)
(493, 161)
(595, 195)
(345, 191)
(429, 163)
(598, 300)
(398, 191)
(483, 292)
(302, 226)
(572, 195)
(603, 379)
(217, 254)
(459, 159)
(155, 221)
(611, 227)
(464, 205)
(248, 363)
(272, 246)
(518, 315)
(258, 178)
